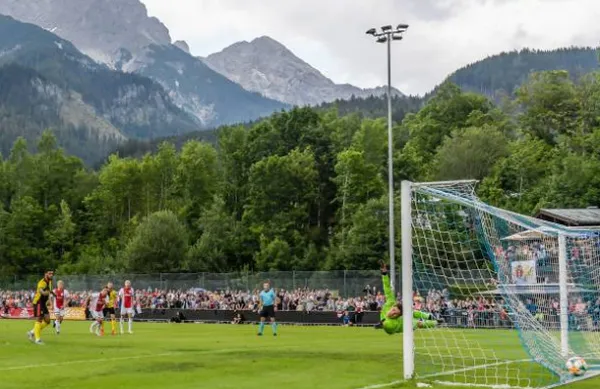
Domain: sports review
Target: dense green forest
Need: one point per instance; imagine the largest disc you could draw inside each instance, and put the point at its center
(303, 189)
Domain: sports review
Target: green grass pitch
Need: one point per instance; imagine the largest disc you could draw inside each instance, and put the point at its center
(178, 356)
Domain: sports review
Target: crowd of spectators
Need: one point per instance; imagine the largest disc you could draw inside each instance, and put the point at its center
(584, 312)
(199, 299)
(480, 311)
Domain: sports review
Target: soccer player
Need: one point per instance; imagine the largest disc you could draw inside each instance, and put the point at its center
(96, 303)
(59, 302)
(391, 313)
(110, 307)
(127, 297)
(40, 307)
(267, 301)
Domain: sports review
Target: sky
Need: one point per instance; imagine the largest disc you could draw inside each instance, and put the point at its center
(443, 36)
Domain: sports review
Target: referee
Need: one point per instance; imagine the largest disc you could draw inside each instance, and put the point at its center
(267, 301)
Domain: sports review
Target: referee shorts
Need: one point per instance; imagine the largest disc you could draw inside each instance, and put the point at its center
(268, 312)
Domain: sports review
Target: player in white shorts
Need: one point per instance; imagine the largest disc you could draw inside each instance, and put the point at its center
(127, 299)
(96, 303)
(59, 301)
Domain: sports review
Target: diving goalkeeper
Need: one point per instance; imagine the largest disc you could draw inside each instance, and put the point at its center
(391, 312)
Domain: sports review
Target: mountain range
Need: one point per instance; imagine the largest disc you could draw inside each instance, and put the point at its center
(101, 72)
(121, 35)
(495, 76)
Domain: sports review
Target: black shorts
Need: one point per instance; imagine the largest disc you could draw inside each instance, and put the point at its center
(40, 309)
(108, 311)
(268, 311)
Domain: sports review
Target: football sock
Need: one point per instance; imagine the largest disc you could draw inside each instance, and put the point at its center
(43, 325)
(261, 327)
(274, 327)
(57, 325)
(121, 324)
(130, 324)
(37, 330)
(113, 325)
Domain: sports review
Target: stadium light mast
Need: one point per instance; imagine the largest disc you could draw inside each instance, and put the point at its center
(387, 34)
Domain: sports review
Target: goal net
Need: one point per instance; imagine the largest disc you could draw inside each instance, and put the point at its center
(518, 295)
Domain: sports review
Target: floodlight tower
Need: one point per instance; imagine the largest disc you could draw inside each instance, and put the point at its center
(387, 34)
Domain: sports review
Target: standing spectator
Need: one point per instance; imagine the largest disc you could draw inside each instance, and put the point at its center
(531, 307)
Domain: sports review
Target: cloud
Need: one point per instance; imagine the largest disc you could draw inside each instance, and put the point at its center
(329, 34)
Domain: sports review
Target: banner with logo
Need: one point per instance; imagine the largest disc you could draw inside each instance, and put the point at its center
(76, 313)
(16, 313)
(27, 313)
(523, 272)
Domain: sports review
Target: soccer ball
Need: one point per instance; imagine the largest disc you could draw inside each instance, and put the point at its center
(576, 366)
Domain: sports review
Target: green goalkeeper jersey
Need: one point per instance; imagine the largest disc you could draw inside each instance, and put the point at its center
(394, 326)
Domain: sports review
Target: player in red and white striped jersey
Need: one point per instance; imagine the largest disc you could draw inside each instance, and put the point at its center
(60, 295)
(96, 303)
(127, 299)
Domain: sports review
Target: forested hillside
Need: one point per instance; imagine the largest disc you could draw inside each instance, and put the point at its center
(364, 108)
(497, 77)
(502, 74)
(30, 104)
(376, 107)
(300, 190)
(48, 84)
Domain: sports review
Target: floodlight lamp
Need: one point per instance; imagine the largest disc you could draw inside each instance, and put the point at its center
(382, 39)
(397, 37)
(386, 28)
(371, 31)
(402, 27)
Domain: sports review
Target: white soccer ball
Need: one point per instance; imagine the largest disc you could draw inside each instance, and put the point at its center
(576, 366)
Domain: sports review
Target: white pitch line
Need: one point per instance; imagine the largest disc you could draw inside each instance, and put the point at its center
(491, 386)
(379, 386)
(65, 363)
(145, 356)
(443, 373)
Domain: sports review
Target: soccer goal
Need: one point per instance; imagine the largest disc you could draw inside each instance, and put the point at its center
(518, 295)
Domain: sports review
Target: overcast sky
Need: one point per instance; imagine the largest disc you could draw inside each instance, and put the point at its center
(329, 34)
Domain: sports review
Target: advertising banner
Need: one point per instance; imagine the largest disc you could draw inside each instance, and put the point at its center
(523, 272)
(27, 313)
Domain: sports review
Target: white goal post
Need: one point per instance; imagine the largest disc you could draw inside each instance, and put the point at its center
(517, 295)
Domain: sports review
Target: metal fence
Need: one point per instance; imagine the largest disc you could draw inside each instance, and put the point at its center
(346, 283)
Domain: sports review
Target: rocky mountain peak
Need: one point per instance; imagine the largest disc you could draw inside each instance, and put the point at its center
(100, 28)
(269, 44)
(266, 66)
(182, 45)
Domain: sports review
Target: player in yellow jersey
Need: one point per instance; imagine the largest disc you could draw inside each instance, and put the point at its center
(40, 307)
(110, 307)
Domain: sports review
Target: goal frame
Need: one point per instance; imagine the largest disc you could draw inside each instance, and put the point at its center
(408, 354)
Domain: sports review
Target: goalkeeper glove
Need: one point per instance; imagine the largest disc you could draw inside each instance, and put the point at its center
(384, 269)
